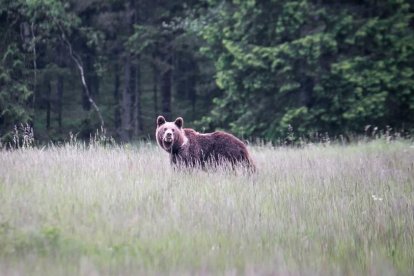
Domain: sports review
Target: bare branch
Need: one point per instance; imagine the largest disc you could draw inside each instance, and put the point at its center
(34, 64)
(78, 63)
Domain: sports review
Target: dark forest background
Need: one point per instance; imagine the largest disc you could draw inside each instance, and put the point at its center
(255, 68)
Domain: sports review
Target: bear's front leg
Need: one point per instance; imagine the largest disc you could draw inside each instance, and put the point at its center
(173, 160)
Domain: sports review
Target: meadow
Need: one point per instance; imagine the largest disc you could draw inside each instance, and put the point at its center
(319, 209)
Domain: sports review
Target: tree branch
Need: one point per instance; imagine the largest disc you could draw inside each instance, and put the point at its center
(78, 63)
(34, 64)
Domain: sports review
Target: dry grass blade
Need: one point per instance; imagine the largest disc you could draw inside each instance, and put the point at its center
(122, 210)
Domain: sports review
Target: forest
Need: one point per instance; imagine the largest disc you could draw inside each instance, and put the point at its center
(259, 69)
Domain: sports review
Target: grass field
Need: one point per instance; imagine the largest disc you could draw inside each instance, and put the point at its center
(122, 210)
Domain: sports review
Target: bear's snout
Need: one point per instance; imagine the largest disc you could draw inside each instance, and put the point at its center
(168, 136)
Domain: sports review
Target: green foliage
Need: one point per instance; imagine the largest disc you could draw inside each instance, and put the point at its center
(256, 68)
(25, 26)
(14, 91)
(312, 66)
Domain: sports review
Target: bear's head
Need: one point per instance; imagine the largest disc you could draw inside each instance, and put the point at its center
(170, 135)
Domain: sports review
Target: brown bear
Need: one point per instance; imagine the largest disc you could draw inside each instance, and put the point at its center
(189, 148)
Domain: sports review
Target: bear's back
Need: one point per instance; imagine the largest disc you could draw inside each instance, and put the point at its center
(216, 144)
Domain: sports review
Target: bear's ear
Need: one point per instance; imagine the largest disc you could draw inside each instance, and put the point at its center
(160, 120)
(179, 122)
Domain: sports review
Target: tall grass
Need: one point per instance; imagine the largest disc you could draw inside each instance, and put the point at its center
(123, 210)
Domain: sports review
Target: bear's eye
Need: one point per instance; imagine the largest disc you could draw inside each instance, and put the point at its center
(173, 130)
(165, 128)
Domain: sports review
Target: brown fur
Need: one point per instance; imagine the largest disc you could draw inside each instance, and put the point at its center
(190, 148)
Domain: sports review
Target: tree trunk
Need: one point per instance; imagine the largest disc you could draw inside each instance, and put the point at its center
(95, 81)
(193, 96)
(192, 84)
(155, 74)
(138, 111)
(185, 78)
(132, 89)
(166, 87)
(48, 101)
(59, 100)
(117, 113)
(88, 76)
(306, 92)
(127, 99)
(59, 85)
(126, 102)
(138, 128)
